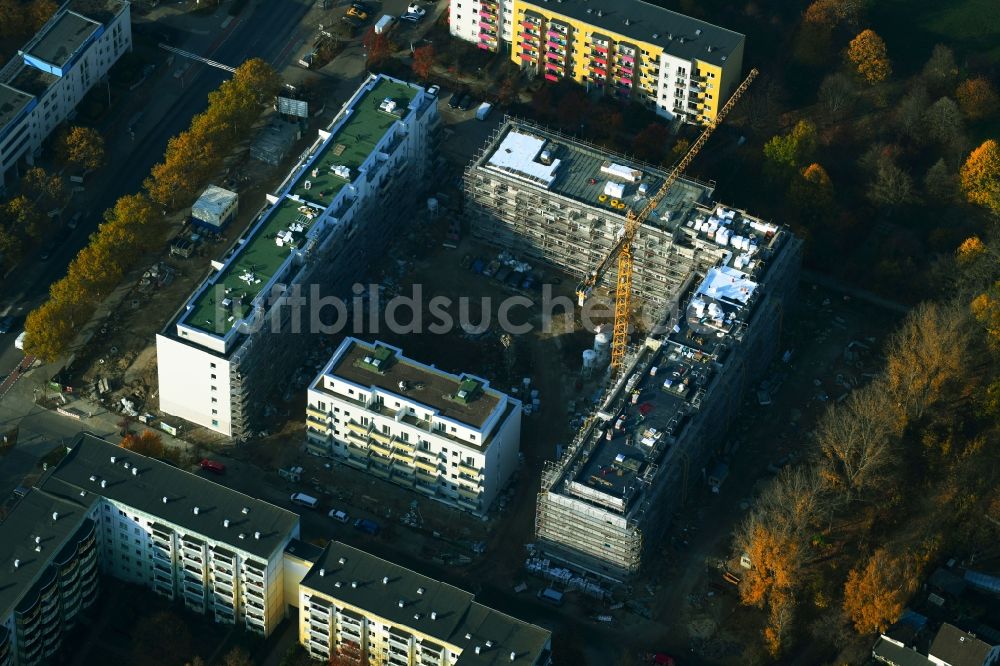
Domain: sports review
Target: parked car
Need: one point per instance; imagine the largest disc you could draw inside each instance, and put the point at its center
(434, 90)
(359, 14)
(410, 18)
(213, 466)
(455, 99)
(415, 8)
(74, 221)
(367, 526)
(7, 323)
(302, 499)
(466, 103)
(338, 515)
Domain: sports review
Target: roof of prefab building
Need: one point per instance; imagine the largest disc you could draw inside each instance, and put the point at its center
(61, 38)
(679, 35)
(411, 600)
(92, 461)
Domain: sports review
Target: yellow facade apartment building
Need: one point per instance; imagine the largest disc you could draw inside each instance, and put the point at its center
(682, 67)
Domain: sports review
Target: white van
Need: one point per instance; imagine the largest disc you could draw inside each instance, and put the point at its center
(384, 24)
(302, 499)
(19, 341)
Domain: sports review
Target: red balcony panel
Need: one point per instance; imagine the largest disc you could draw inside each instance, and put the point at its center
(488, 13)
(600, 61)
(528, 56)
(557, 46)
(530, 25)
(529, 37)
(484, 46)
(627, 71)
(556, 34)
(598, 47)
(487, 26)
(551, 77)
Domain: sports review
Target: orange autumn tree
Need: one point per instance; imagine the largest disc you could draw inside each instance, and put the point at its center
(868, 54)
(423, 60)
(875, 594)
(980, 176)
(978, 98)
(148, 443)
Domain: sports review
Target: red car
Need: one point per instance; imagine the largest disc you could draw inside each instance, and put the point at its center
(212, 466)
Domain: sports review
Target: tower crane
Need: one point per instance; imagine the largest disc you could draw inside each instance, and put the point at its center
(622, 249)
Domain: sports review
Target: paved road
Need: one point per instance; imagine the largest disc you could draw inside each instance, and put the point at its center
(264, 29)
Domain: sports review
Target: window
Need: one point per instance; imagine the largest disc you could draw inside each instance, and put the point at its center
(215, 411)
(322, 406)
(385, 430)
(215, 422)
(213, 376)
(215, 388)
(405, 436)
(215, 400)
(211, 365)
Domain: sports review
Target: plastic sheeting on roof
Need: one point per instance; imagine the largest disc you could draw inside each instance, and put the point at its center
(517, 155)
(728, 284)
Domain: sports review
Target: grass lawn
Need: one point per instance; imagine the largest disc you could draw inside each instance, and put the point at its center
(911, 28)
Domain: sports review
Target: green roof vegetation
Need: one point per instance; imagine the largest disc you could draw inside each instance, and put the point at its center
(259, 258)
(378, 361)
(353, 142)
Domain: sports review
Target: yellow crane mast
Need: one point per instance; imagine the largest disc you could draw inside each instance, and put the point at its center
(622, 250)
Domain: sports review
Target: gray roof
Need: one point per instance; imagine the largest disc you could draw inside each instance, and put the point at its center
(958, 648)
(31, 517)
(61, 37)
(456, 613)
(11, 103)
(888, 652)
(678, 35)
(91, 457)
(104, 11)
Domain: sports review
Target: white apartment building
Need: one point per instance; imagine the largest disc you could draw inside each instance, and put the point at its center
(450, 437)
(233, 342)
(41, 86)
(355, 605)
(105, 509)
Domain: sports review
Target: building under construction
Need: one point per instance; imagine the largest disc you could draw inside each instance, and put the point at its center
(715, 279)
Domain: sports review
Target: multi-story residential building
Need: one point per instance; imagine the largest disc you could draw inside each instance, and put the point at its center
(450, 437)
(235, 339)
(49, 559)
(682, 67)
(105, 509)
(712, 282)
(41, 86)
(355, 605)
(555, 199)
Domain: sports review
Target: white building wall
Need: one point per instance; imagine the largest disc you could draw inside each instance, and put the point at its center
(193, 384)
(672, 87)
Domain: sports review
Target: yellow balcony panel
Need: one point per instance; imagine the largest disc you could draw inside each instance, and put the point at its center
(469, 469)
(380, 449)
(424, 465)
(468, 494)
(404, 446)
(381, 437)
(402, 455)
(426, 477)
(474, 484)
(356, 439)
(358, 428)
(316, 414)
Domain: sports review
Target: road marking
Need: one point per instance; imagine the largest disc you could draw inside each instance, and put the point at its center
(15, 374)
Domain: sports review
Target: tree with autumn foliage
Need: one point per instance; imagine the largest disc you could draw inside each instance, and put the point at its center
(869, 56)
(980, 176)
(377, 48)
(650, 144)
(423, 61)
(81, 147)
(876, 593)
(785, 154)
(147, 443)
(49, 330)
(978, 98)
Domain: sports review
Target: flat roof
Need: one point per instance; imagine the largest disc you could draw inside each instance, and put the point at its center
(580, 171)
(99, 10)
(29, 519)
(353, 141)
(32, 80)
(61, 38)
(12, 102)
(408, 599)
(679, 35)
(90, 457)
(254, 263)
(425, 385)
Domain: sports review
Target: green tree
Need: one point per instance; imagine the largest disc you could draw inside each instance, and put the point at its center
(943, 122)
(785, 154)
(941, 69)
(940, 184)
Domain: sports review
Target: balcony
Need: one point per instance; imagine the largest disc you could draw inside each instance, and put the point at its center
(486, 12)
(486, 26)
(467, 493)
(468, 504)
(556, 48)
(529, 56)
(380, 449)
(555, 35)
(529, 37)
(603, 48)
(471, 470)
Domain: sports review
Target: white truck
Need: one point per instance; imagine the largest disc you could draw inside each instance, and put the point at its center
(483, 110)
(384, 24)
